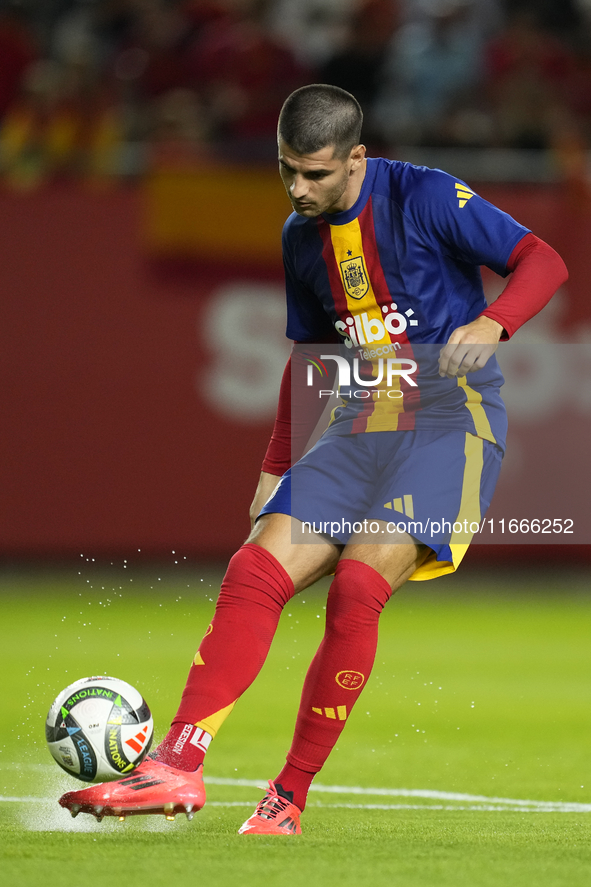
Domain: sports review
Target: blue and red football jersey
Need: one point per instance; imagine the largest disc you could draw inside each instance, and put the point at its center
(393, 275)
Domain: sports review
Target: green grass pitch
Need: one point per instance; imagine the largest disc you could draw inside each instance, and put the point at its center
(480, 698)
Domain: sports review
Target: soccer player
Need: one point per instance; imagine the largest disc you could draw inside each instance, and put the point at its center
(383, 257)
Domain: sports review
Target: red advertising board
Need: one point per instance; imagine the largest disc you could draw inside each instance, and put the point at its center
(142, 345)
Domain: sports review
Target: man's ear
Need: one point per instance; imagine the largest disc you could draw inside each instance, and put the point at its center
(357, 156)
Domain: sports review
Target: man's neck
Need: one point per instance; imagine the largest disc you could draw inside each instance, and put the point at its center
(353, 189)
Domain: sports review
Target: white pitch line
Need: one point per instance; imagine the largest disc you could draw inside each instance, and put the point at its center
(25, 766)
(473, 808)
(486, 808)
(9, 800)
(475, 802)
(432, 794)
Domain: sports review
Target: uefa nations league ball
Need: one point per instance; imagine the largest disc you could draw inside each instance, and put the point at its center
(99, 729)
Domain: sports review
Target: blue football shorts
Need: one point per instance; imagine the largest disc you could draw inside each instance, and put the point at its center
(434, 485)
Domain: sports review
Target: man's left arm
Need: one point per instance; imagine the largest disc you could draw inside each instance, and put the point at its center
(538, 271)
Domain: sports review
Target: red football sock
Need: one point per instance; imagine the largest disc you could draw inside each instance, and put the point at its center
(183, 747)
(338, 672)
(254, 591)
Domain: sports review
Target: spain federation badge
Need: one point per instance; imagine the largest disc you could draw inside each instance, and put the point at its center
(355, 278)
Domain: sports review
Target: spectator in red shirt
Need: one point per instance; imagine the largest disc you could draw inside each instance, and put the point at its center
(243, 72)
(528, 71)
(17, 51)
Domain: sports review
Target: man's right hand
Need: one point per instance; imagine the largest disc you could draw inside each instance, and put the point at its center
(265, 488)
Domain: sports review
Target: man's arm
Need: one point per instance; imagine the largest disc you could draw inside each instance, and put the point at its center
(265, 488)
(306, 322)
(538, 271)
(291, 432)
(278, 456)
(469, 347)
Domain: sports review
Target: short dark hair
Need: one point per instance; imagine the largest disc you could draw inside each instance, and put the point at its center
(319, 115)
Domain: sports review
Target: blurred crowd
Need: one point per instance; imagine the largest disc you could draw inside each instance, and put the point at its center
(108, 87)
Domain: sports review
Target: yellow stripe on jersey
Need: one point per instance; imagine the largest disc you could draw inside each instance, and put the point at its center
(348, 250)
(474, 404)
(386, 413)
(469, 510)
(347, 244)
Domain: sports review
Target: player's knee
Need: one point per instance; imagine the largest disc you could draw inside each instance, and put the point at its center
(356, 597)
(304, 562)
(255, 574)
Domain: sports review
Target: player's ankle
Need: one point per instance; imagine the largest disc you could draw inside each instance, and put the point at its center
(183, 747)
(293, 784)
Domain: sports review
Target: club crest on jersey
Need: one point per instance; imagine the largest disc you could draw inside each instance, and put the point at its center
(355, 278)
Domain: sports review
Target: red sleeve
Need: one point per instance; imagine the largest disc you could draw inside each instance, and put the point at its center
(293, 427)
(278, 456)
(538, 271)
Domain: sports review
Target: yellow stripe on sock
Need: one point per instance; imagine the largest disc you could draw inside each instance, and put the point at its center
(212, 723)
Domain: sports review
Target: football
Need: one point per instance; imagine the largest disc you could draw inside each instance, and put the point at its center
(99, 729)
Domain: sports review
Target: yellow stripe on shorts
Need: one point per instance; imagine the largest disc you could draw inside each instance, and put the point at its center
(474, 404)
(469, 510)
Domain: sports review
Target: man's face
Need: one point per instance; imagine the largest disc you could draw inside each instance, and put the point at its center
(320, 182)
